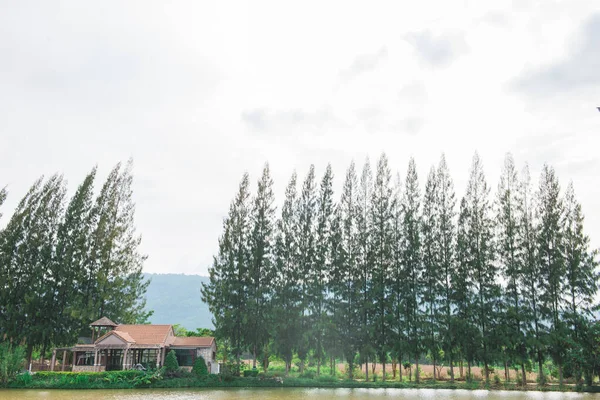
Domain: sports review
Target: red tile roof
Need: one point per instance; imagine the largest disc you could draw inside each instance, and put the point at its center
(194, 341)
(146, 334)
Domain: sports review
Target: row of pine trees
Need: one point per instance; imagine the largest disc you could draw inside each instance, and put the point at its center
(389, 272)
(66, 262)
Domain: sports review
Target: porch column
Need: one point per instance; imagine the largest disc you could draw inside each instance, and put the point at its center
(125, 359)
(64, 360)
(163, 353)
(53, 360)
(158, 359)
(95, 360)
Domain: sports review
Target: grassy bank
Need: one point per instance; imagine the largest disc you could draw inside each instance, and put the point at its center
(137, 379)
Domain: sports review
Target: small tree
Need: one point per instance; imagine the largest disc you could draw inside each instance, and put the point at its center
(11, 361)
(171, 364)
(199, 367)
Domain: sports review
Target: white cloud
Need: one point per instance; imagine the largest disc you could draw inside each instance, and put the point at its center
(197, 93)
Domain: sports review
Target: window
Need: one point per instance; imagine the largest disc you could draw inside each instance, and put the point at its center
(185, 357)
(84, 358)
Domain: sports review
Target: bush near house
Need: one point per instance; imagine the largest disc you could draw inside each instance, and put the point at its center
(199, 367)
(171, 364)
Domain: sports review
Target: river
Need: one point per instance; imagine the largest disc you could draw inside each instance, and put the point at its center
(288, 394)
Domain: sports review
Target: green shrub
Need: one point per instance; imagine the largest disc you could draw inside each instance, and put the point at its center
(171, 364)
(12, 359)
(199, 367)
(250, 373)
(308, 374)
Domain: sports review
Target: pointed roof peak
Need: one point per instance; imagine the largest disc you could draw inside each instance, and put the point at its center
(103, 322)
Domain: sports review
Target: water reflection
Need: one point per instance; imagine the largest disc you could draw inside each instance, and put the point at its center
(288, 394)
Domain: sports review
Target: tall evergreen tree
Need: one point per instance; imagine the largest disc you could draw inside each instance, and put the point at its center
(115, 260)
(550, 236)
(345, 274)
(317, 276)
(364, 248)
(397, 275)
(446, 234)
(581, 284)
(431, 268)
(307, 219)
(260, 274)
(68, 271)
(509, 208)
(532, 285)
(3, 194)
(413, 263)
(27, 254)
(226, 293)
(480, 258)
(382, 258)
(287, 292)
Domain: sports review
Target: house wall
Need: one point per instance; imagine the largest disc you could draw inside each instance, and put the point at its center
(112, 339)
(88, 368)
(207, 354)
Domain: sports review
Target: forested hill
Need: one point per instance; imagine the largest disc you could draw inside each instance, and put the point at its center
(176, 299)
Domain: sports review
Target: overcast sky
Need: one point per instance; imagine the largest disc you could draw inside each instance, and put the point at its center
(198, 92)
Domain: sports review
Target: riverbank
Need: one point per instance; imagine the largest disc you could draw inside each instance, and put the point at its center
(137, 379)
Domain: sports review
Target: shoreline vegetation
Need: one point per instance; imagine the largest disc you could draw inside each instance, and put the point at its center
(157, 380)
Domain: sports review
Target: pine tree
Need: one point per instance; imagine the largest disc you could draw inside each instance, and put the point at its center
(307, 219)
(398, 280)
(413, 263)
(364, 259)
(382, 258)
(462, 321)
(226, 293)
(508, 232)
(531, 289)
(550, 211)
(446, 233)
(286, 281)
(260, 274)
(115, 267)
(3, 194)
(431, 268)
(69, 266)
(27, 249)
(480, 258)
(317, 276)
(345, 275)
(581, 284)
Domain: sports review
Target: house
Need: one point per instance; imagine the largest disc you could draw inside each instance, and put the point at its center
(118, 346)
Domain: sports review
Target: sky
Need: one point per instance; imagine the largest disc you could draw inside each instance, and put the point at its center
(199, 92)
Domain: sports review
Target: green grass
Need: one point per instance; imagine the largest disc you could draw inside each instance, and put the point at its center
(138, 379)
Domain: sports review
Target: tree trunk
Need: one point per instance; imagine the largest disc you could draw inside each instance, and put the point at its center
(394, 366)
(383, 376)
(506, 377)
(462, 371)
(469, 377)
(254, 357)
(29, 353)
(541, 378)
(524, 377)
(417, 375)
(434, 369)
(367, 369)
(400, 366)
(318, 366)
(487, 372)
(451, 370)
(560, 375)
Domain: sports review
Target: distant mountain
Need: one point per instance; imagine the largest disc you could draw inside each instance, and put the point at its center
(176, 299)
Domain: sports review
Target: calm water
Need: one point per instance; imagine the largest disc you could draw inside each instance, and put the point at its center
(288, 394)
